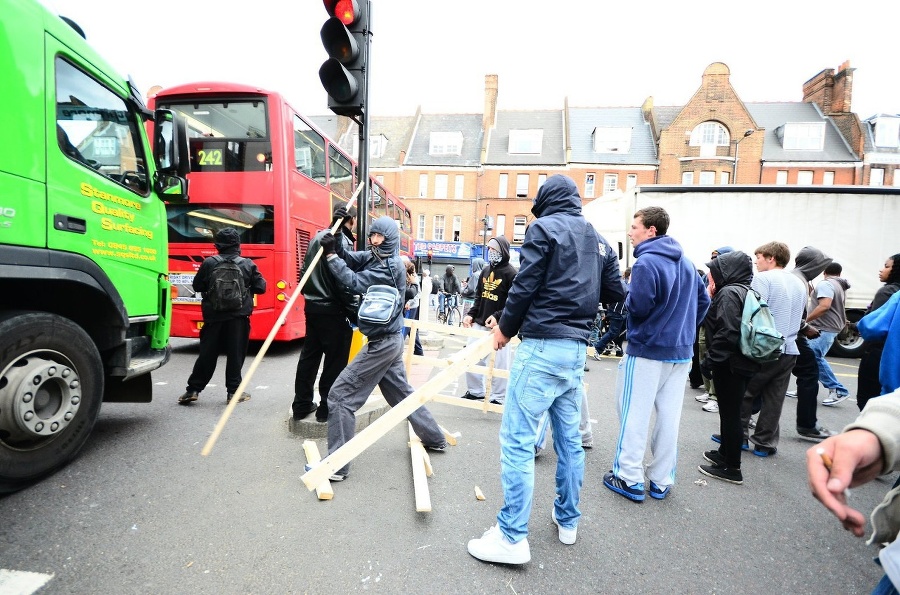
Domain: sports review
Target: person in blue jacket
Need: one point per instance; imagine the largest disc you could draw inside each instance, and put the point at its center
(883, 324)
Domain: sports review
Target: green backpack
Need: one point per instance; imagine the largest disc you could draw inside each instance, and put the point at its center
(760, 340)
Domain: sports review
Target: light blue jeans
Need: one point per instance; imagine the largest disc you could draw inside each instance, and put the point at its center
(546, 375)
(820, 346)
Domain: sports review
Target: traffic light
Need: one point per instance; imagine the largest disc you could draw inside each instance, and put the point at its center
(344, 36)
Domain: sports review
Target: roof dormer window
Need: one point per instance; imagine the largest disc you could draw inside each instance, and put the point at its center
(525, 142)
(611, 140)
(445, 143)
(803, 136)
(887, 132)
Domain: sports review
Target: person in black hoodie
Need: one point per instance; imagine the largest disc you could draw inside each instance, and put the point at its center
(731, 275)
(230, 329)
(490, 294)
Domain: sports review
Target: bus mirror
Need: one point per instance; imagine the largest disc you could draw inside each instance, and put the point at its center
(170, 144)
(171, 188)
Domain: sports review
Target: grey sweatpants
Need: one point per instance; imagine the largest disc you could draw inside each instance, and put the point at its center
(378, 363)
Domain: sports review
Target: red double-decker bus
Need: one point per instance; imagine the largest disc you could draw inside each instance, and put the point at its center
(260, 167)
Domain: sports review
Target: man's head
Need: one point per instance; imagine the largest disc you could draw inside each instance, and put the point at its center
(384, 237)
(833, 270)
(228, 240)
(450, 270)
(648, 222)
(772, 255)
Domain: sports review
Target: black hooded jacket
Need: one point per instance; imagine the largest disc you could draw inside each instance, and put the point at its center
(493, 286)
(228, 243)
(732, 274)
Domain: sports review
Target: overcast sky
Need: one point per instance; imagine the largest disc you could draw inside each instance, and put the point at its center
(436, 53)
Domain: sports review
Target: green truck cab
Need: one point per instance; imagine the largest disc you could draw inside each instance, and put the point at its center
(84, 298)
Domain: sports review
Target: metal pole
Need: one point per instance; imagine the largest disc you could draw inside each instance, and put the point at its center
(484, 233)
(362, 222)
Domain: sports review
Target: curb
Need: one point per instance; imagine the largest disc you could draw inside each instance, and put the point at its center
(374, 408)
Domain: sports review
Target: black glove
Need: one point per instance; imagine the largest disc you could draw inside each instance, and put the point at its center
(339, 214)
(706, 369)
(327, 242)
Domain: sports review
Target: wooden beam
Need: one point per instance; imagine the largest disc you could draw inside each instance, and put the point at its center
(420, 468)
(323, 490)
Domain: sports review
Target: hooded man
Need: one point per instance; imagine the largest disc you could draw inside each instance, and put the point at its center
(490, 291)
(551, 309)
(223, 330)
(449, 287)
(808, 264)
(380, 361)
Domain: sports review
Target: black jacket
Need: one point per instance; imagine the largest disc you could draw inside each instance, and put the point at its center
(493, 287)
(732, 273)
(322, 294)
(252, 279)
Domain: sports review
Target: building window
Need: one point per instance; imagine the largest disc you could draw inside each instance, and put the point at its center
(612, 140)
(377, 146)
(710, 134)
(631, 181)
(876, 177)
(437, 229)
(589, 186)
(687, 178)
(828, 178)
(896, 180)
(500, 228)
(804, 136)
(519, 225)
(420, 228)
(707, 178)
(887, 132)
(610, 183)
(521, 185)
(380, 180)
(541, 179)
(440, 185)
(804, 178)
(525, 142)
(724, 177)
(459, 184)
(781, 177)
(445, 143)
(457, 227)
(502, 188)
(423, 185)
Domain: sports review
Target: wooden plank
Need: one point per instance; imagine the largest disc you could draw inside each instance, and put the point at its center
(467, 404)
(411, 348)
(478, 494)
(419, 469)
(323, 490)
(450, 436)
(351, 449)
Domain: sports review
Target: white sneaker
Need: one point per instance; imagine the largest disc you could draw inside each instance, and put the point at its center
(702, 398)
(493, 546)
(711, 407)
(834, 398)
(791, 394)
(567, 536)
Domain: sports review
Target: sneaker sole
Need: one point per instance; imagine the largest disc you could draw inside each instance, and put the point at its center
(508, 559)
(811, 438)
(836, 402)
(560, 529)
(734, 481)
(709, 460)
(621, 492)
(762, 453)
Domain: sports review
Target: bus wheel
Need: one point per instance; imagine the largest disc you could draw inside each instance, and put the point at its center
(51, 386)
(848, 343)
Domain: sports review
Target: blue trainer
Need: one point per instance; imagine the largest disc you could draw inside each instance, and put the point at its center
(635, 492)
(657, 492)
(717, 438)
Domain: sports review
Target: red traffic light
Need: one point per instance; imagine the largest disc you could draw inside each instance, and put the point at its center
(339, 42)
(347, 11)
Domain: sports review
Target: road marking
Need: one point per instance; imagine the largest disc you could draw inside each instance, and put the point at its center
(17, 582)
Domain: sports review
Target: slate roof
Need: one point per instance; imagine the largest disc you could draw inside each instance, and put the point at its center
(467, 124)
(583, 121)
(553, 143)
(773, 115)
(869, 135)
(398, 130)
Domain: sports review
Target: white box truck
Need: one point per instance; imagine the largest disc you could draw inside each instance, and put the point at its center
(855, 225)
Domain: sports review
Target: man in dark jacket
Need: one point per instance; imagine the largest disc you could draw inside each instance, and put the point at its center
(551, 310)
(380, 362)
(329, 309)
(666, 303)
(491, 289)
(449, 286)
(230, 329)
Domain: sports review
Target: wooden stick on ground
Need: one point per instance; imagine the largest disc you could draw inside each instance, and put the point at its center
(421, 467)
(323, 490)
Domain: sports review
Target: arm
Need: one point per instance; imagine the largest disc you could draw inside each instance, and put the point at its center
(257, 282)
(611, 289)
(703, 301)
(725, 338)
(534, 253)
(821, 307)
(641, 298)
(470, 315)
(201, 279)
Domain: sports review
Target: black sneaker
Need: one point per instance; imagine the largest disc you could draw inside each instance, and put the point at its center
(717, 438)
(472, 397)
(764, 451)
(436, 447)
(635, 492)
(721, 472)
(333, 477)
(714, 457)
(816, 434)
(188, 397)
(241, 399)
(303, 411)
(322, 413)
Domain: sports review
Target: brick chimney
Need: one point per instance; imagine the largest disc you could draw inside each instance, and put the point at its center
(831, 92)
(491, 90)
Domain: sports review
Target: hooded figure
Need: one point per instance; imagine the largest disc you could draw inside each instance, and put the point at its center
(450, 282)
(228, 244)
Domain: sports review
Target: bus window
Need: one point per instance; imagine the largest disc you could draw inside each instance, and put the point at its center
(309, 151)
(196, 223)
(227, 135)
(340, 173)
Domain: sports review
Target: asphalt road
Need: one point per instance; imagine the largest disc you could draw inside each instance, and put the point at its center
(141, 511)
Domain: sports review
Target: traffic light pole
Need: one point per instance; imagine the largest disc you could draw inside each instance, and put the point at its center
(363, 123)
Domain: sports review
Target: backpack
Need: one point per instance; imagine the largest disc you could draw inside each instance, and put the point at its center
(227, 288)
(760, 340)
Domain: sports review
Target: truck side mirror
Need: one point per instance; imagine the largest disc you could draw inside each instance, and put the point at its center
(170, 146)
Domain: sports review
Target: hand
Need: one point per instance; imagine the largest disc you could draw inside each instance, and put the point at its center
(706, 369)
(810, 332)
(327, 242)
(338, 215)
(856, 459)
(500, 340)
(467, 321)
(490, 321)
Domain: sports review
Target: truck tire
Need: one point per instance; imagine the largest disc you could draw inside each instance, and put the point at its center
(51, 387)
(848, 343)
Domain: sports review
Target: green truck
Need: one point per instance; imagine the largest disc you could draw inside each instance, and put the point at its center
(84, 297)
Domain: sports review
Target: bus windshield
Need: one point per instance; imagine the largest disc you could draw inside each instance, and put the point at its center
(227, 135)
(198, 223)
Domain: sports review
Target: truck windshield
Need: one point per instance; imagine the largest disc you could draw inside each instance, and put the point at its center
(198, 223)
(227, 135)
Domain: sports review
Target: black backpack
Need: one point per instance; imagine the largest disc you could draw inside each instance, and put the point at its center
(227, 288)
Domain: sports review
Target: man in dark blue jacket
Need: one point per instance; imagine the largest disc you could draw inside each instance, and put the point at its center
(666, 303)
(552, 301)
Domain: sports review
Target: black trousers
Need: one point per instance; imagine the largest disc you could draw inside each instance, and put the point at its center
(806, 370)
(327, 335)
(730, 389)
(230, 335)
(868, 385)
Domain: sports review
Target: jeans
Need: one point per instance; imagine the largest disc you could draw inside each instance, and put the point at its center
(616, 322)
(884, 587)
(546, 375)
(820, 346)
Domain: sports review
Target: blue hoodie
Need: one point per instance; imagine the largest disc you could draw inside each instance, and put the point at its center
(666, 302)
(564, 265)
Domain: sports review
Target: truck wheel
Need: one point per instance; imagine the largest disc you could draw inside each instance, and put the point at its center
(848, 343)
(51, 387)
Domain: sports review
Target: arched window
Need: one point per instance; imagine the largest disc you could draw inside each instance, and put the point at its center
(710, 133)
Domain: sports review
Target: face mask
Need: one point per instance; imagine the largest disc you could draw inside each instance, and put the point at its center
(494, 257)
